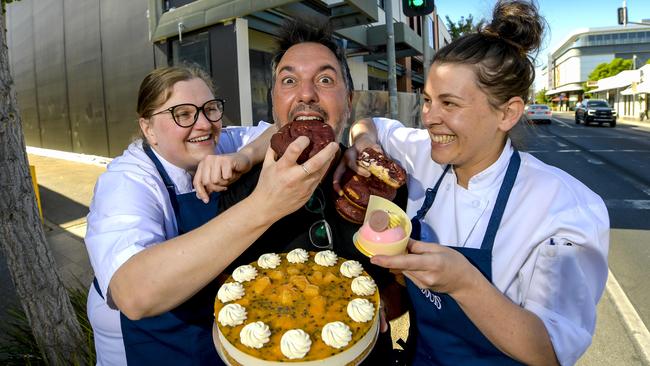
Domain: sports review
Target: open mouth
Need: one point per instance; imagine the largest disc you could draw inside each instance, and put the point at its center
(443, 139)
(200, 138)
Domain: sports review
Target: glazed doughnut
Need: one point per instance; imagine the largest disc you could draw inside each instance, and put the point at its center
(382, 167)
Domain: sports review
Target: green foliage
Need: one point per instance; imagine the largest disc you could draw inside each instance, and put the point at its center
(540, 97)
(605, 70)
(5, 2)
(464, 26)
(19, 346)
(648, 62)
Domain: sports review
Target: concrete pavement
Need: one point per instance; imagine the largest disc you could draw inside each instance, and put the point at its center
(66, 182)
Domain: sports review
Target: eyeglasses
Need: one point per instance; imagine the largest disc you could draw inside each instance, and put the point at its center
(320, 232)
(185, 115)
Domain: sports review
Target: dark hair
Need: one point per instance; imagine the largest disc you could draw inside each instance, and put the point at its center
(499, 51)
(294, 32)
(156, 87)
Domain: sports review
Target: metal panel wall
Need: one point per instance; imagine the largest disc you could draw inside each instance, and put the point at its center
(84, 77)
(51, 87)
(20, 30)
(127, 56)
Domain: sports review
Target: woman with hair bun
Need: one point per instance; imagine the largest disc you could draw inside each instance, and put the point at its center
(509, 255)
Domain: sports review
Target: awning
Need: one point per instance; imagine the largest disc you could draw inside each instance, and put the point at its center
(640, 88)
(565, 88)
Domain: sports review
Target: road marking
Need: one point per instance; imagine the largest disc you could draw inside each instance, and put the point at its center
(562, 123)
(595, 161)
(628, 204)
(631, 319)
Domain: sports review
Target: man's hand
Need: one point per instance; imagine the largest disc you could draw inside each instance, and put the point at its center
(216, 172)
(284, 185)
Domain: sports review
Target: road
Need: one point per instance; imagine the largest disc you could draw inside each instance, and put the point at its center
(615, 163)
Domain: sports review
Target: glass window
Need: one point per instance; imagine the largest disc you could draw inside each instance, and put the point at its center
(195, 49)
(173, 4)
(260, 85)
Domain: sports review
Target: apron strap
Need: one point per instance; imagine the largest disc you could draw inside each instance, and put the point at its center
(429, 197)
(169, 184)
(502, 200)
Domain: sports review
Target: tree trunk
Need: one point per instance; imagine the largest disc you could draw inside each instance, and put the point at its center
(38, 285)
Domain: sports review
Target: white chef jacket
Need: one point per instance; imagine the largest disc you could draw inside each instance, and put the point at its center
(550, 252)
(131, 211)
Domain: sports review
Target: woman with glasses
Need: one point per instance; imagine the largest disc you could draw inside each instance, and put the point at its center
(509, 255)
(155, 247)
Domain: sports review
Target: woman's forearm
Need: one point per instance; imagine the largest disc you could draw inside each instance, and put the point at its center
(165, 275)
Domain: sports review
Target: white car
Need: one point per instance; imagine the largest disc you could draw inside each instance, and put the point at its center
(539, 113)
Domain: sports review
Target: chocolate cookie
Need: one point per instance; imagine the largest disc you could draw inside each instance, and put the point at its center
(358, 189)
(349, 211)
(320, 134)
(382, 167)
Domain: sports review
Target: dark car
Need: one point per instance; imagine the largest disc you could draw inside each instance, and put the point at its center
(596, 111)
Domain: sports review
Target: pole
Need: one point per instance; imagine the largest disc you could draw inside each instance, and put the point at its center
(426, 51)
(390, 50)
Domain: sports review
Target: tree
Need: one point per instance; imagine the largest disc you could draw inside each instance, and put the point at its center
(605, 70)
(39, 287)
(464, 26)
(540, 97)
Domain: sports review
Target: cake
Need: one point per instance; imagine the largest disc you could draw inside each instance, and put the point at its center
(386, 229)
(306, 308)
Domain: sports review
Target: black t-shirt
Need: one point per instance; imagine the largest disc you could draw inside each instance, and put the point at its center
(292, 231)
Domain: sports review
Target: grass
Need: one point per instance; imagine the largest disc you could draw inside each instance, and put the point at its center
(19, 346)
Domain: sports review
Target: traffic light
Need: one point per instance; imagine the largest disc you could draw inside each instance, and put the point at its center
(412, 8)
(622, 16)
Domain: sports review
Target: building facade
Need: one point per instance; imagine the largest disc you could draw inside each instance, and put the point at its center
(570, 64)
(77, 64)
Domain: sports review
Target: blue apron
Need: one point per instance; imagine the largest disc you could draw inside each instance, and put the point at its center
(444, 335)
(181, 336)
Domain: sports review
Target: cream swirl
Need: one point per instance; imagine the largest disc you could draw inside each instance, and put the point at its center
(361, 310)
(336, 334)
(351, 269)
(326, 258)
(255, 335)
(232, 314)
(295, 343)
(363, 286)
(298, 255)
(244, 273)
(268, 260)
(230, 291)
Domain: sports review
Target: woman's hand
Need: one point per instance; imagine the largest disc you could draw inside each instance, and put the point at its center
(216, 172)
(361, 141)
(284, 185)
(432, 266)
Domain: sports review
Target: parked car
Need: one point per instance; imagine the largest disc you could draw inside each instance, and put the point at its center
(539, 113)
(597, 111)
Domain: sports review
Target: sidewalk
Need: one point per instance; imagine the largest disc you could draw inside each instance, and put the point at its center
(66, 188)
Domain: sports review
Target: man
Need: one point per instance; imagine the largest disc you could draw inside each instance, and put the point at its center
(311, 80)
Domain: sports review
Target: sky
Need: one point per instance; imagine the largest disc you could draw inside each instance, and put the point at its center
(563, 16)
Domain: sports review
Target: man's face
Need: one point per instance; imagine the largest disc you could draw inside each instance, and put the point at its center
(309, 84)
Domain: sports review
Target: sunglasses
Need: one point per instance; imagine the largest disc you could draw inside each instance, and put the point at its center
(320, 232)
